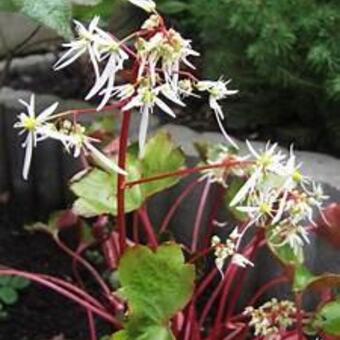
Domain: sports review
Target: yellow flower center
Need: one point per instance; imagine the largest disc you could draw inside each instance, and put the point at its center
(30, 123)
(265, 209)
(297, 176)
(265, 161)
(148, 97)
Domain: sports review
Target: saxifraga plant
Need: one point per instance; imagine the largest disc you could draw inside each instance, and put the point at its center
(160, 292)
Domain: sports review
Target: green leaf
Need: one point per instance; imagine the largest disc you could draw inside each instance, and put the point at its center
(121, 335)
(8, 295)
(142, 329)
(328, 318)
(304, 279)
(97, 192)
(103, 8)
(55, 14)
(173, 7)
(156, 284)
(18, 282)
(4, 280)
(233, 189)
(161, 156)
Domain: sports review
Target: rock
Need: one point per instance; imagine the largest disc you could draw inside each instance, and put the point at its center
(320, 167)
(15, 28)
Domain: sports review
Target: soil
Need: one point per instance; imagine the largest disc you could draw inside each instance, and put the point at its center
(40, 314)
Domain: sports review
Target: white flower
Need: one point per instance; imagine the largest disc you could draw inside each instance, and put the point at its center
(79, 142)
(295, 235)
(260, 207)
(149, 53)
(147, 5)
(223, 251)
(167, 48)
(152, 22)
(267, 161)
(170, 93)
(316, 195)
(298, 208)
(175, 50)
(146, 99)
(241, 261)
(272, 318)
(123, 92)
(83, 44)
(218, 90)
(34, 126)
(185, 88)
(106, 48)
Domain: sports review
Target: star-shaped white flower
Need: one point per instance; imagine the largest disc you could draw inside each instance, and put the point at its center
(146, 99)
(106, 48)
(79, 142)
(267, 161)
(36, 128)
(83, 44)
(217, 91)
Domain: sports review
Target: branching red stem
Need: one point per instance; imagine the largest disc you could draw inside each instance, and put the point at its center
(44, 280)
(184, 172)
(123, 143)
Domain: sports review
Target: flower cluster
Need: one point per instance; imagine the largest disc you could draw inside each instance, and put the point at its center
(277, 195)
(158, 55)
(71, 135)
(153, 58)
(224, 251)
(271, 318)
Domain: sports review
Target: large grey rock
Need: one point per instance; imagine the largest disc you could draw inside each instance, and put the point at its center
(320, 167)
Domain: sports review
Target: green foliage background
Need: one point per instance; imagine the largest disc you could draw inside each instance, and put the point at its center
(283, 56)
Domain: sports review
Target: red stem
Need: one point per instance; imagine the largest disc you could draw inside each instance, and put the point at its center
(264, 288)
(189, 322)
(176, 204)
(73, 289)
(92, 325)
(117, 305)
(239, 286)
(44, 281)
(216, 207)
(206, 282)
(229, 280)
(90, 317)
(227, 285)
(123, 143)
(200, 254)
(213, 296)
(143, 214)
(199, 216)
(184, 172)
